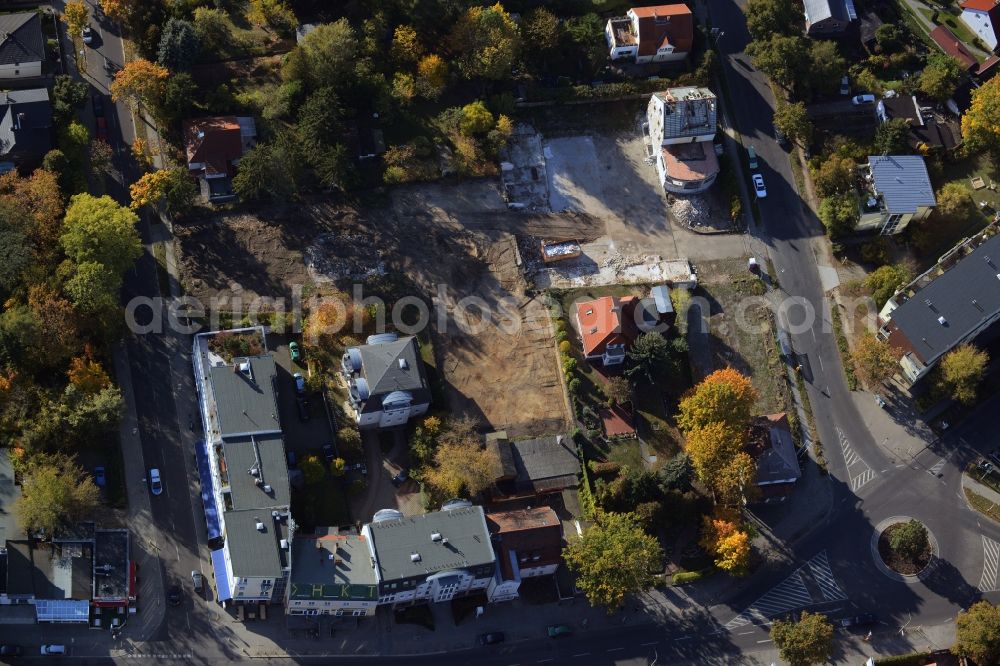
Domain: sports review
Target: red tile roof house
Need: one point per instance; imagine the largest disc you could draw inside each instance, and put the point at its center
(214, 148)
(949, 43)
(770, 444)
(607, 328)
(528, 543)
(651, 34)
(983, 17)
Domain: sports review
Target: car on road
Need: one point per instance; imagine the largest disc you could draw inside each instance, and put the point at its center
(102, 128)
(491, 638)
(401, 478)
(559, 630)
(88, 35)
(328, 453)
(198, 580)
(780, 137)
(866, 98)
(302, 405)
(758, 186)
(293, 351)
(863, 620)
(845, 85)
(292, 459)
(155, 484)
(53, 649)
(99, 478)
(300, 383)
(174, 595)
(11, 650)
(752, 158)
(98, 103)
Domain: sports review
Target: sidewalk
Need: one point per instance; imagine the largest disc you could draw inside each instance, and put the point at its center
(985, 491)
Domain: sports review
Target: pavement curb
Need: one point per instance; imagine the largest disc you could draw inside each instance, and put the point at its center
(909, 579)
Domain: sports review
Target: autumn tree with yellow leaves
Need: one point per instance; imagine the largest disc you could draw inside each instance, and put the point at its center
(139, 82)
(727, 541)
(725, 396)
(981, 122)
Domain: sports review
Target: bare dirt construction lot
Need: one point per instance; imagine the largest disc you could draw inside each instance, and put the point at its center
(456, 244)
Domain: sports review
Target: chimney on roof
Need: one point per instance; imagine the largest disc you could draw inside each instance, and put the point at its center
(259, 525)
(201, 134)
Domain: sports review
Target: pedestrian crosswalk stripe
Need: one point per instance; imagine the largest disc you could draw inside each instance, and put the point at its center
(792, 593)
(857, 469)
(991, 559)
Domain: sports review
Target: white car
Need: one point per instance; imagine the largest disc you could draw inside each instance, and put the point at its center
(88, 35)
(155, 485)
(867, 98)
(758, 186)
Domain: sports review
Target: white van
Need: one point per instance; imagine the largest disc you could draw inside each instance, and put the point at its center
(53, 649)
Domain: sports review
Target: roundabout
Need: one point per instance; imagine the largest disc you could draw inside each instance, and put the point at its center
(903, 549)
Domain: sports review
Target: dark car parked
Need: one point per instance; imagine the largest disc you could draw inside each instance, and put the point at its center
(401, 478)
(303, 406)
(491, 638)
(328, 452)
(11, 650)
(862, 620)
(174, 595)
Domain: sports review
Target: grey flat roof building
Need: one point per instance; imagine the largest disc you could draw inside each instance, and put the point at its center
(332, 566)
(405, 548)
(254, 552)
(266, 456)
(245, 401)
(966, 297)
(111, 562)
(902, 181)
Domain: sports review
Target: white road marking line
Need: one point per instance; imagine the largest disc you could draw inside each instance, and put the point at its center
(651, 643)
(544, 661)
(745, 633)
(820, 362)
(765, 641)
(582, 654)
(614, 649)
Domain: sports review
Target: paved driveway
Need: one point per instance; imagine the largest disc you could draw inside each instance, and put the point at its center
(302, 437)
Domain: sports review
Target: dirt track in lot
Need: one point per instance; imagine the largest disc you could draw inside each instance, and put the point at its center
(452, 240)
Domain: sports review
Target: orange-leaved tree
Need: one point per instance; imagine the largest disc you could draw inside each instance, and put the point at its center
(725, 396)
(139, 81)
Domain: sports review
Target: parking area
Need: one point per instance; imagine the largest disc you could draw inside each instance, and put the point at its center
(301, 437)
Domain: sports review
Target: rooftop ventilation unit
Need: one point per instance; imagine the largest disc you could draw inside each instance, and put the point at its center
(942, 321)
(260, 525)
(435, 536)
(403, 365)
(414, 557)
(267, 488)
(284, 544)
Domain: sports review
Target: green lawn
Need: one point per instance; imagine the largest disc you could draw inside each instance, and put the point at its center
(954, 23)
(982, 505)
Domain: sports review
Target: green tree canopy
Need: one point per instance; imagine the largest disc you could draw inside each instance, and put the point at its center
(55, 493)
(954, 203)
(885, 280)
(806, 642)
(328, 55)
(93, 288)
(487, 41)
(833, 175)
(893, 137)
(889, 38)
(97, 229)
(270, 170)
(613, 558)
(839, 214)
(541, 29)
(977, 633)
(960, 371)
(312, 469)
(785, 59)
(940, 77)
(655, 358)
(476, 119)
(68, 96)
(213, 27)
(794, 123)
(179, 45)
(772, 17)
(910, 540)
(826, 66)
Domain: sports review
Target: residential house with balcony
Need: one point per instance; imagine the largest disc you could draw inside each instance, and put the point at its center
(243, 468)
(682, 124)
(433, 557)
(955, 302)
(897, 190)
(664, 33)
(332, 574)
(386, 381)
(528, 543)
